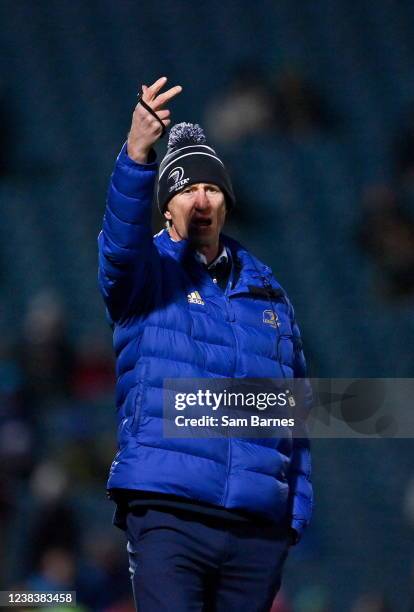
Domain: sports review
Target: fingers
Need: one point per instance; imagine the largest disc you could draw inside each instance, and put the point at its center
(149, 120)
(150, 94)
(156, 100)
(160, 100)
(153, 89)
(163, 114)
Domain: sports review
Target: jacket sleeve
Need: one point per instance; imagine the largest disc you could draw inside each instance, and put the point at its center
(300, 482)
(126, 251)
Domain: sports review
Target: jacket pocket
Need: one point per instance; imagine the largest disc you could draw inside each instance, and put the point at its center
(285, 348)
(135, 522)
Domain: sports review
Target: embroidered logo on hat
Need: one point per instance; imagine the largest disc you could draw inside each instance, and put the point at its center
(176, 175)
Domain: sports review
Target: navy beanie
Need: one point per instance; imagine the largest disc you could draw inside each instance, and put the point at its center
(190, 160)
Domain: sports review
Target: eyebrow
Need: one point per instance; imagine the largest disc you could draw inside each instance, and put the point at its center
(193, 186)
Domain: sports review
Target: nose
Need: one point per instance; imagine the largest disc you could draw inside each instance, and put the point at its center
(201, 199)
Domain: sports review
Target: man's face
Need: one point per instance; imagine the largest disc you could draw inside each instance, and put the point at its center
(197, 213)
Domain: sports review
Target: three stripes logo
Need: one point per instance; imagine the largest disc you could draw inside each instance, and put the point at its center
(195, 298)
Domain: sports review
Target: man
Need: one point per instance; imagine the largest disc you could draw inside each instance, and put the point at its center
(209, 521)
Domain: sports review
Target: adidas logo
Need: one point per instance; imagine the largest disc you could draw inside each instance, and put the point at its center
(195, 298)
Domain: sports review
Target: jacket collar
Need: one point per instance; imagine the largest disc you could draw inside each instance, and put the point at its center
(252, 272)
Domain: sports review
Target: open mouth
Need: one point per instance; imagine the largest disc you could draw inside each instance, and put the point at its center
(201, 223)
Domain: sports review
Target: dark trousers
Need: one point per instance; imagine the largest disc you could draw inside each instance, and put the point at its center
(184, 562)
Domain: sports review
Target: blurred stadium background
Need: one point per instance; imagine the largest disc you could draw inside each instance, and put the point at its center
(311, 104)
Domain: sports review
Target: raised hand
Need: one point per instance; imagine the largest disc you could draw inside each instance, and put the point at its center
(146, 129)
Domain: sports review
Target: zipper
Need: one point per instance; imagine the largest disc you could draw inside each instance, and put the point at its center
(226, 484)
(266, 284)
(231, 320)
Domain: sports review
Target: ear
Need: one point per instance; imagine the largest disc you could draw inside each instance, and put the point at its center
(167, 215)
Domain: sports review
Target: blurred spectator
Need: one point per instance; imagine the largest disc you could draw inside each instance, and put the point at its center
(46, 355)
(244, 109)
(54, 524)
(15, 420)
(11, 383)
(299, 108)
(16, 438)
(122, 606)
(387, 234)
(86, 462)
(94, 372)
(371, 602)
(313, 598)
(103, 579)
(253, 106)
(55, 571)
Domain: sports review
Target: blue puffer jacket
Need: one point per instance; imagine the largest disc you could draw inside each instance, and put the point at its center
(145, 282)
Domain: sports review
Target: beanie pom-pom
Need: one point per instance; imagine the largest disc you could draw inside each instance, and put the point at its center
(186, 134)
